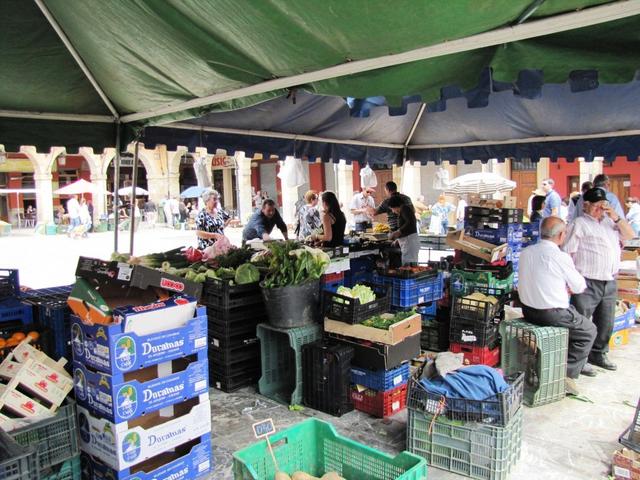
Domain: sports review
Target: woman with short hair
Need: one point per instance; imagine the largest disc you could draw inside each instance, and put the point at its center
(211, 220)
(308, 216)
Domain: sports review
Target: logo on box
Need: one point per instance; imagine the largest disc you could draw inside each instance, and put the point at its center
(131, 446)
(77, 339)
(126, 401)
(125, 353)
(80, 384)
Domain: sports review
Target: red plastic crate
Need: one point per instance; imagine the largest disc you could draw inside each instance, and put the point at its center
(332, 277)
(380, 404)
(477, 355)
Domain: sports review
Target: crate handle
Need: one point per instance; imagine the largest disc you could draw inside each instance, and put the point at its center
(280, 442)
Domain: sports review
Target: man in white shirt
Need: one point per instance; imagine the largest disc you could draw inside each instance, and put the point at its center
(73, 209)
(362, 203)
(547, 275)
(593, 241)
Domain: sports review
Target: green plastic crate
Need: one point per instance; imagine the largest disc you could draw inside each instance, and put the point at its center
(69, 470)
(17, 462)
(475, 450)
(5, 230)
(540, 352)
(281, 359)
(467, 281)
(314, 447)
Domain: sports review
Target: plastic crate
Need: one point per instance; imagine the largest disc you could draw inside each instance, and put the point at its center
(314, 447)
(327, 373)
(381, 379)
(56, 316)
(51, 293)
(631, 436)
(380, 404)
(13, 310)
(350, 310)
(468, 280)
(219, 294)
(69, 470)
(489, 356)
(411, 292)
(223, 357)
(435, 335)
(539, 352)
(16, 461)
(281, 359)
(428, 310)
(531, 230)
(479, 310)
(55, 438)
(236, 381)
(43, 342)
(472, 332)
(474, 450)
(9, 283)
(330, 278)
(354, 278)
(497, 410)
(477, 217)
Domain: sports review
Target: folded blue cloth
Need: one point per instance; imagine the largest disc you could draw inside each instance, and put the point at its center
(477, 382)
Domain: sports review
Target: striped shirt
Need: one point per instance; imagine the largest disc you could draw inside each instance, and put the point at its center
(594, 246)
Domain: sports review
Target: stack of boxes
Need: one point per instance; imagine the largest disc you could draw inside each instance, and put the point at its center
(140, 373)
(628, 284)
(234, 313)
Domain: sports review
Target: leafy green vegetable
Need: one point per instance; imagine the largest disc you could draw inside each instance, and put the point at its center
(361, 292)
(234, 258)
(385, 320)
(292, 264)
(247, 273)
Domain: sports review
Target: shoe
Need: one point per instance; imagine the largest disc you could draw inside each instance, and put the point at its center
(588, 371)
(570, 386)
(602, 361)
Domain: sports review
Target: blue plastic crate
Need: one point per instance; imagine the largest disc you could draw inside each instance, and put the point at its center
(9, 283)
(362, 264)
(428, 310)
(510, 233)
(47, 292)
(531, 229)
(380, 380)
(56, 316)
(351, 279)
(333, 286)
(12, 310)
(626, 320)
(411, 292)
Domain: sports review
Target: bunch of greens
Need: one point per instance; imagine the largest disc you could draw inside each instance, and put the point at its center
(385, 320)
(232, 259)
(292, 264)
(361, 292)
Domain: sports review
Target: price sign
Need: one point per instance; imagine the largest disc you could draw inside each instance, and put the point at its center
(263, 428)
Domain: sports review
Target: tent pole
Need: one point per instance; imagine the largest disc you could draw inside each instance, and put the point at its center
(132, 215)
(116, 187)
(546, 26)
(72, 117)
(405, 151)
(76, 56)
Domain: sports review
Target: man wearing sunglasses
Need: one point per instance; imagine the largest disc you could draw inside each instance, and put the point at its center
(553, 200)
(593, 241)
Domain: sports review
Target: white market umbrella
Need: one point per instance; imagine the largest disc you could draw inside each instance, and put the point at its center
(76, 188)
(481, 183)
(128, 191)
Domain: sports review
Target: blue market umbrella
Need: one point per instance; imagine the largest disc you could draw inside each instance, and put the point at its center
(192, 192)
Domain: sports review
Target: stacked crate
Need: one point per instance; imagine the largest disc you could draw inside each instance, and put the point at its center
(435, 327)
(234, 313)
(380, 393)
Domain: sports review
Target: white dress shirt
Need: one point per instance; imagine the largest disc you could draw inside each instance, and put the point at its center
(594, 246)
(545, 272)
(359, 201)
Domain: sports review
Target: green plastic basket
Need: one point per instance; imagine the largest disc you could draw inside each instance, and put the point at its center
(281, 359)
(540, 352)
(69, 470)
(17, 462)
(471, 449)
(314, 447)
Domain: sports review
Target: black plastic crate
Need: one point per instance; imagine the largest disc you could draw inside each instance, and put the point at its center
(327, 376)
(9, 283)
(435, 335)
(56, 316)
(226, 332)
(224, 339)
(473, 333)
(235, 355)
(350, 310)
(219, 369)
(479, 310)
(497, 410)
(631, 436)
(235, 381)
(219, 294)
(406, 273)
(478, 216)
(252, 314)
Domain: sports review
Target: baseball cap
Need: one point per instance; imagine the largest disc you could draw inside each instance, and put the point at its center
(594, 195)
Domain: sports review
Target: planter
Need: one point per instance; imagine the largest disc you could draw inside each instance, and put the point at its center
(293, 306)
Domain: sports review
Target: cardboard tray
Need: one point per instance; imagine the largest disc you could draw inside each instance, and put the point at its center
(478, 248)
(394, 335)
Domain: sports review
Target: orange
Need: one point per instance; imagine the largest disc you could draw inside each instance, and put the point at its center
(2, 343)
(34, 335)
(12, 342)
(19, 336)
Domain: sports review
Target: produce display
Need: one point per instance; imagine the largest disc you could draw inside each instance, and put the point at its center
(481, 297)
(385, 320)
(381, 228)
(361, 292)
(290, 263)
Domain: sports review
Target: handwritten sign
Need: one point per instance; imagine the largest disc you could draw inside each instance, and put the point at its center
(263, 428)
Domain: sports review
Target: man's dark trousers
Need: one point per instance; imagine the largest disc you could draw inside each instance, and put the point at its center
(598, 302)
(582, 332)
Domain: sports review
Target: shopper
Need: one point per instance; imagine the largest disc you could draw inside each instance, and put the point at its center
(175, 210)
(577, 199)
(633, 215)
(593, 241)
(333, 222)
(602, 181)
(462, 204)
(211, 220)
(361, 205)
(407, 233)
(552, 201)
(537, 207)
(73, 209)
(151, 212)
(546, 275)
(308, 216)
(261, 223)
(391, 190)
(441, 210)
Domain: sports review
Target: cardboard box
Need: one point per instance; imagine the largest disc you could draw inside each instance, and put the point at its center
(123, 445)
(110, 349)
(124, 274)
(478, 248)
(629, 255)
(394, 335)
(619, 338)
(626, 465)
(379, 356)
(123, 396)
(186, 462)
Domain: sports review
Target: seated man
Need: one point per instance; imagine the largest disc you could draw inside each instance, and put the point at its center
(261, 223)
(547, 276)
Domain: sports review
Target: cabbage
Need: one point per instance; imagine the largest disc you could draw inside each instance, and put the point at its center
(361, 292)
(247, 273)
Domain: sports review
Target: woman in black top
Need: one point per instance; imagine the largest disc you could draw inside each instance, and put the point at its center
(537, 206)
(407, 233)
(333, 221)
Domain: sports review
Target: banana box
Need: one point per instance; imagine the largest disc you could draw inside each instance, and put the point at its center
(121, 446)
(121, 397)
(113, 349)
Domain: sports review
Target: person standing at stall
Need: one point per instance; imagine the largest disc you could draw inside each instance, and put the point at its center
(263, 221)
(308, 216)
(333, 222)
(391, 189)
(361, 204)
(633, 215)
(593, 241)
(211, 220)
(441, 210)
(537, 207)
(552, 201)
(407, 232)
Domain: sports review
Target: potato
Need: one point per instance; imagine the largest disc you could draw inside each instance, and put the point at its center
(282, 476)
(331, 476)
(302, 476)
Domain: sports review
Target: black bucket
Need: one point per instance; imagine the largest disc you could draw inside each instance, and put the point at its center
(293, 306)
